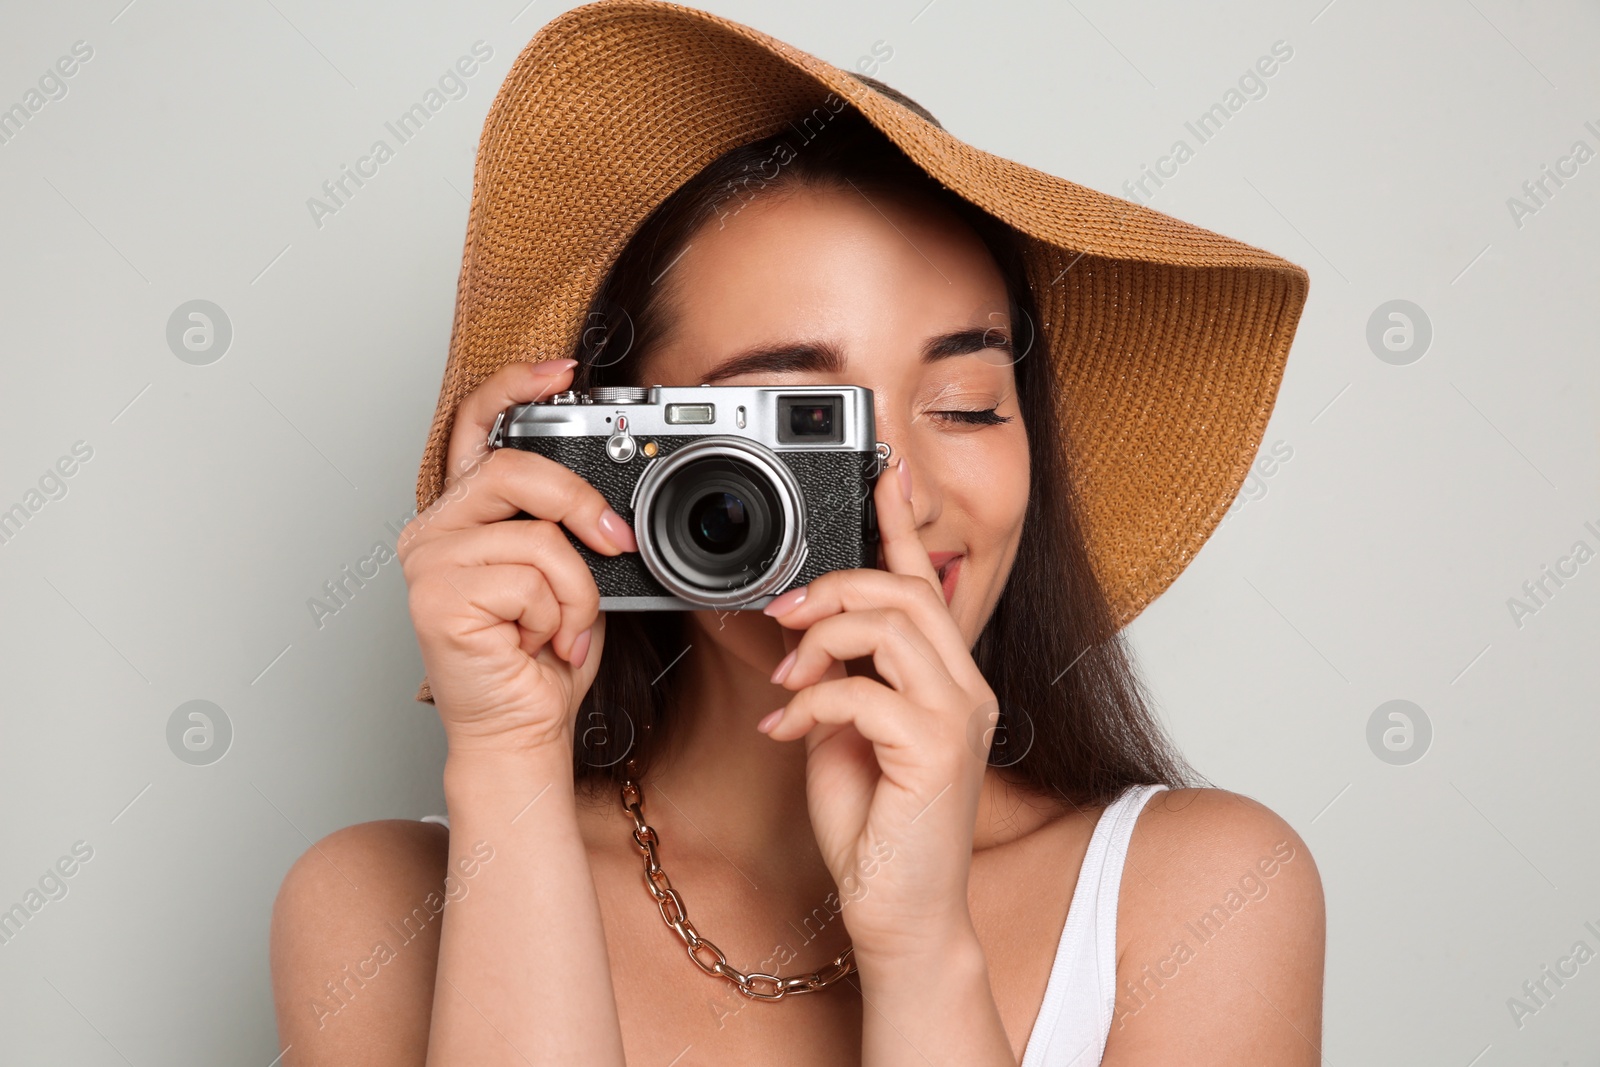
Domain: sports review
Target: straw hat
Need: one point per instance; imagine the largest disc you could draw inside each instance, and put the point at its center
(1170, 339)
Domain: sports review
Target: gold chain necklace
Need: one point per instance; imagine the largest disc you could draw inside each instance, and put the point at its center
(673, 912)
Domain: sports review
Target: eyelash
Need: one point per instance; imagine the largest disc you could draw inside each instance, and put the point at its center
(980, 418)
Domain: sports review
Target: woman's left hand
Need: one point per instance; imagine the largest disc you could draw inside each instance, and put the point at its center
(894, 765)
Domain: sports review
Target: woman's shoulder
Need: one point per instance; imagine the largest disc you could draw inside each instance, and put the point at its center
(1185, 840)
(1194, 847)
(1216, 834)
(360, 902)
(356, 874)
(1183, 820)
(1216, 882)
(391, 853)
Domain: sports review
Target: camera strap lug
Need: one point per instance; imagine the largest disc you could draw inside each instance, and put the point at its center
(884, 451)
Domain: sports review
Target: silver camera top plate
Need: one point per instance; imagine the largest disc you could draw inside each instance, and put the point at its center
(753, 412)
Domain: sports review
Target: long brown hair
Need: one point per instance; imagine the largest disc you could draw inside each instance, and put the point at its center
(1074, 720)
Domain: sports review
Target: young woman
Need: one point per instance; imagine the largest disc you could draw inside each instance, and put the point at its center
(932, 786)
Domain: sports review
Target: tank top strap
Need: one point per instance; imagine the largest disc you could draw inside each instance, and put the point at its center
(1074, 1021)
(1125, 815)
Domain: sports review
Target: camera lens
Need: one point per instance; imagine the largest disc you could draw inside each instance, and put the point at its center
(811, 420)
(718, 522)
(721, 521)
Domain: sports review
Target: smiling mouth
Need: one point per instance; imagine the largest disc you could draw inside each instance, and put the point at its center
(949, 575)
(949, 571)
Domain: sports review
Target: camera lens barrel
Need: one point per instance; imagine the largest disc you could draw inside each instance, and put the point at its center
(720, 522)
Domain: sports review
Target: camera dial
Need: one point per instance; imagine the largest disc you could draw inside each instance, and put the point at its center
(619, 394)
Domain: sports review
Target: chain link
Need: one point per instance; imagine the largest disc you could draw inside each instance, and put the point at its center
(705, 955)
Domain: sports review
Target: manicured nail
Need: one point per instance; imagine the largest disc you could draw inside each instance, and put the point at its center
(786, 602)
(905, 478)
(617, 532)
(769, 720)
(782, 670)
(556, 366)
(580, 648)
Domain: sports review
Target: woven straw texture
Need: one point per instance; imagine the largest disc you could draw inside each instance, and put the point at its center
(1171, 339)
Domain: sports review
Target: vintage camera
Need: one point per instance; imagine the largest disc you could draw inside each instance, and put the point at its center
(735, 493)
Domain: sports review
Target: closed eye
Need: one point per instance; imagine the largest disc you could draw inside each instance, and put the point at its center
(987, 417)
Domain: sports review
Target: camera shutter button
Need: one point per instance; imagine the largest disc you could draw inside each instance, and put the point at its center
(621, 446)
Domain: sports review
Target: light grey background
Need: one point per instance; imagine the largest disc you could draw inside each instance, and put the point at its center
(1378, 565)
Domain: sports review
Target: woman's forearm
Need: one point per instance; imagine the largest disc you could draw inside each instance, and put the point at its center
(931, 1006)
(523, 975)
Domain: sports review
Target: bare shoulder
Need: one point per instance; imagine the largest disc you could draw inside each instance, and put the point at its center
(1213, 833)
(355, 943)
(1221, 931)
(1195, 849)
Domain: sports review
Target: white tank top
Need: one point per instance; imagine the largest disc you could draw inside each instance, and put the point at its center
(1075, 1019)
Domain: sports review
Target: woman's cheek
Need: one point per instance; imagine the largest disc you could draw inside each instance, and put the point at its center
(994, 491)
(1006, 482)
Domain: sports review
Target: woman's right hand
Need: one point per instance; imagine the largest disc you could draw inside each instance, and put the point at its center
(506, 612)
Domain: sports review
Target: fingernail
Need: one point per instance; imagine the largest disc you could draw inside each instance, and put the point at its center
(580, 648)
(782, 670)
(786, 602)
(556, 366)
(905, 478)
(617, 532)
(769, 720)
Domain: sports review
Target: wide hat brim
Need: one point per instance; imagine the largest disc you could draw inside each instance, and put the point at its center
(1170, 339)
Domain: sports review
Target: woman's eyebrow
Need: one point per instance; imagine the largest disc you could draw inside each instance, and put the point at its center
(962, 342)
(824, 357)
(820, 356)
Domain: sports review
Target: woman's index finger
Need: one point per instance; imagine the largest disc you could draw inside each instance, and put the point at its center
(517, 383)
(514, 480)
(903, 550)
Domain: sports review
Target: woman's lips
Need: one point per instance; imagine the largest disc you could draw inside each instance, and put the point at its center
(949, 576)
(948, 564)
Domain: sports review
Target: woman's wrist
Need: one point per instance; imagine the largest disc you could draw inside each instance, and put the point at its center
(934, 998)
(493, 779)
(948, 949)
